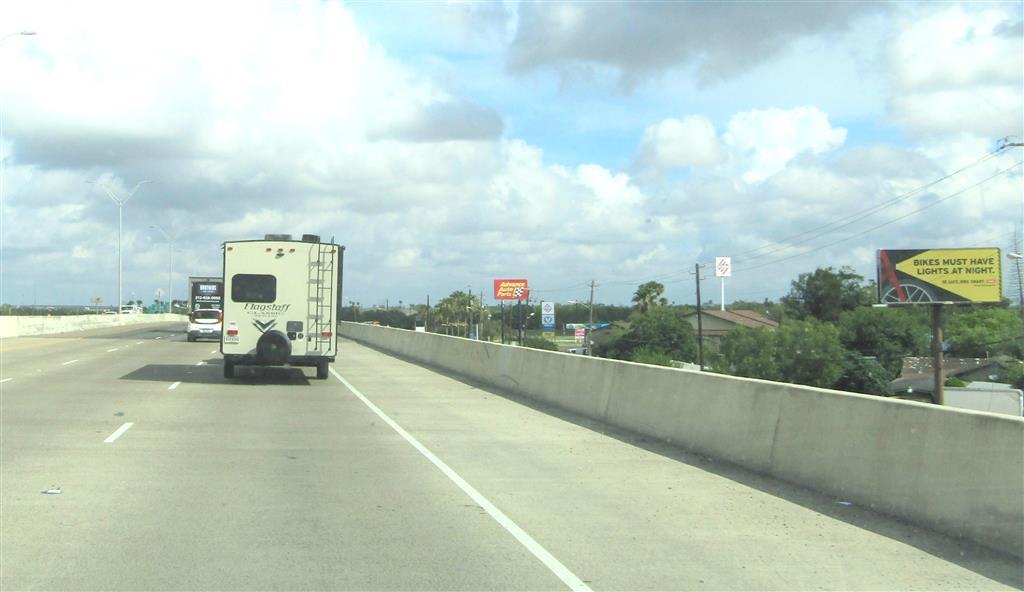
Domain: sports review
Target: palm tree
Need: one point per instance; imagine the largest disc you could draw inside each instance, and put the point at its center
(649, 295)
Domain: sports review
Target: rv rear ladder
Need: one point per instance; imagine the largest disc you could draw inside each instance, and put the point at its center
(320, 303)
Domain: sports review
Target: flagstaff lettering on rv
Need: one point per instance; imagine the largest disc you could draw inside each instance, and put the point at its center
(249, 306)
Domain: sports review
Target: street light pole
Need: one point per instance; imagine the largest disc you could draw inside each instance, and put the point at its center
(120, 201)
(2, 159)
(170, 250)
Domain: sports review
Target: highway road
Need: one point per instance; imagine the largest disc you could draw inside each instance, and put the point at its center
(390, 476)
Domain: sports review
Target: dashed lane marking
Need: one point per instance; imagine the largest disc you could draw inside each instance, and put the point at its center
(117, 434)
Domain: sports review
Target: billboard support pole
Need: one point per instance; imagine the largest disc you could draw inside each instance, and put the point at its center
(590, 323)
(700, 324)
(519, 320)
(503, 322)
(938, 392)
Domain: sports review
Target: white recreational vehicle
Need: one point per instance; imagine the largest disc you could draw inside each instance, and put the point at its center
(281, 302)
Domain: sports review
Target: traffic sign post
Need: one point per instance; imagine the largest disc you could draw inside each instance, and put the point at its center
(547, 318)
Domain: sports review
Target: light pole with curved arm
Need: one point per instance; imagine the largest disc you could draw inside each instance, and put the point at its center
(2, 158)
(120, 201)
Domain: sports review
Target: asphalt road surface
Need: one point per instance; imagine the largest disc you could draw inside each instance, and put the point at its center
(390, 476)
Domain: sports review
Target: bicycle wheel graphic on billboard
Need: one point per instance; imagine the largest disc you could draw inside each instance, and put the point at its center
(939, 275)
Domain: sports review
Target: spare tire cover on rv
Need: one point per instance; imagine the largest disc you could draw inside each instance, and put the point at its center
(274, 347)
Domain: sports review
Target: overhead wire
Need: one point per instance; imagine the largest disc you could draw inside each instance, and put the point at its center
(892, 221)
(861, 214)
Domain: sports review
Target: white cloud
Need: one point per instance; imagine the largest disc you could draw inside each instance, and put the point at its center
(764, 141)
(957, 70)
(641, 40)
(674, 143)
(289, 118)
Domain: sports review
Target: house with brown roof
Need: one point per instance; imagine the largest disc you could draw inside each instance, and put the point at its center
(918, 374)
(716, 323)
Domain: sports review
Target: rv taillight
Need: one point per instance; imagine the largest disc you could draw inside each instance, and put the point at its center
(232, 331)
(326, 334)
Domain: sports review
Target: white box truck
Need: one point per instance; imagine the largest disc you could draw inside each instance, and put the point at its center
(205, 293)
(281, 302)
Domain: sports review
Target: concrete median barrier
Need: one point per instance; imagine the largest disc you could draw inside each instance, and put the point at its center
(20, 326)
(953, 471)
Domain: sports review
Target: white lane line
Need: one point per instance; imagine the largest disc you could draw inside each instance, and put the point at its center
(69, 362)
(117, 434)
(113, 349)
(138, 343)
(213, 352)
(200, 363)
(561, 571)
(173, 386)
(157, 338)
(5, 380)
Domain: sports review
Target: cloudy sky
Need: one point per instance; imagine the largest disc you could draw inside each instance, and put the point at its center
(447, 144)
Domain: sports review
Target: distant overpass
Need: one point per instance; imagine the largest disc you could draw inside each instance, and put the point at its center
(392, 475)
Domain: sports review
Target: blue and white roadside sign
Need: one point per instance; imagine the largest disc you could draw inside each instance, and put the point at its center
(547, 316)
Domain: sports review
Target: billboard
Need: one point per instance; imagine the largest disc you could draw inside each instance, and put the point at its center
(939, 275)
(511, 290)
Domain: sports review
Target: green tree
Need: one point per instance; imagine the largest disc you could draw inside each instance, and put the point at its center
(540, 343)
(662, 329)
(750, 352)
(825, 293)
(863, 375)
(984, 332)
(809, 353)
(452, 312)
(648, 355)
(648, 295)
(887, 334)
(1014, 374)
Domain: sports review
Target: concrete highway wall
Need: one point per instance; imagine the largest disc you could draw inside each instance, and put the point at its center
(953, 471)
(19, 326)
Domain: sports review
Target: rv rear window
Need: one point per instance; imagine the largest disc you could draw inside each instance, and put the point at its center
(248, 287)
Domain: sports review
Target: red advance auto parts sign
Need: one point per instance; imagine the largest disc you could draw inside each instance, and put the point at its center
(511, 290)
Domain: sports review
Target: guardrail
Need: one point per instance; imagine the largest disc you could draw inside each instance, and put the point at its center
(953, 471)
(20, 326)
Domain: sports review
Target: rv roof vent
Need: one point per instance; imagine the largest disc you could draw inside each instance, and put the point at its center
(310, 238)
(278, 237)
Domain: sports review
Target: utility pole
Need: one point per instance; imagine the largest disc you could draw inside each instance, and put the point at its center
(700, 322)
(590, 323)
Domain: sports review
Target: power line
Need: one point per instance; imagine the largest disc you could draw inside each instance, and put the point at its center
(884, 224)
(861, 214)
